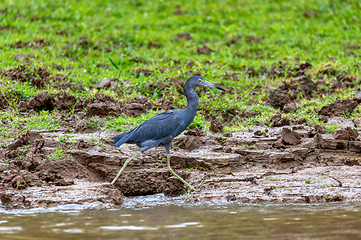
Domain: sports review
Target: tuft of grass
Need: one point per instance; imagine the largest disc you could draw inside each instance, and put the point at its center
(65, 138)
(56, 155)
(331, 128)
(93, 139)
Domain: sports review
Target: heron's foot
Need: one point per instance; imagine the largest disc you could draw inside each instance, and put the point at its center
(191, 188)
(194, 188)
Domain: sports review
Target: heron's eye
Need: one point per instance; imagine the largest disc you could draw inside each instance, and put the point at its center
(200, 80)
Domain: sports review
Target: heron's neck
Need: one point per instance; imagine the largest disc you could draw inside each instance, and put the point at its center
(192, 99)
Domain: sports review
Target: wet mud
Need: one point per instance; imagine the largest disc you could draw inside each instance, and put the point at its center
(285, 164)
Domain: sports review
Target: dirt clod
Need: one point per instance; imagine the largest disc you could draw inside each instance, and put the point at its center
(184, 35)
(153, 45)
(3, 102)
(289, 107)
(358, 96)
(25, 139)
(233, 40)
(41, 101)
(145, 72)
(66, 101)
(104, 83)
(203, 50)
(194, 132)
(279, 121)
(338, 107)
(278, 99)
(104, 109)
(290, 137)
(348, 133)
(216, 126)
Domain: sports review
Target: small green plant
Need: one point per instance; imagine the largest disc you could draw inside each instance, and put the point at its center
(123, 64)
(18, 185)
(93, 139)
(161, 160)
(93, 123)
(193, 169)
(218, 176)
(72, 109)
(65, 138)
(331, 128)
(272, 179)
(58, 154)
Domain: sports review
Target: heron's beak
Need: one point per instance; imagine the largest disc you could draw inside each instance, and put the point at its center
(213, 85)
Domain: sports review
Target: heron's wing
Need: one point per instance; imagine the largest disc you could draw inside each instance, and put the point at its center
(160, 126)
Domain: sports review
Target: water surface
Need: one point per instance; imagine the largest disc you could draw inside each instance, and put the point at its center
(158, 217)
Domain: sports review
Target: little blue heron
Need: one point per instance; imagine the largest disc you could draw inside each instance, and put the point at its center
(162, 128)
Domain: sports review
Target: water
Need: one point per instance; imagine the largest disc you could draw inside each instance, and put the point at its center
(157, 217)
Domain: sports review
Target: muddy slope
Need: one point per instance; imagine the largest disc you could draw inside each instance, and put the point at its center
(289, 164)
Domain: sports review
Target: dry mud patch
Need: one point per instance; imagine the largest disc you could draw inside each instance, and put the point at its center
(289, 164)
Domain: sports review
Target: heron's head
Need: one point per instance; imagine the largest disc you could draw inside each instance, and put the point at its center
(196, 80)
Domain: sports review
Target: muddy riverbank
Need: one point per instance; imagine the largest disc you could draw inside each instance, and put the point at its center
(289, 164)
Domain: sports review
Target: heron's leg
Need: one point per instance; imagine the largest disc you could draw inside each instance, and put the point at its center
(176, 175)
(125, 164)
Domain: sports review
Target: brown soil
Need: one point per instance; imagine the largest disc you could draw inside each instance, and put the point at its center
(3, 102)
(41, 101)
(37, 43)
(27, 58)
(184, 35)
(233, 40)
(106, 82)
(153, 45)
(203, 50)
(38, 77)
(145, 72)
(216, 126)
(286, 94)
(295, 164)
(338, 107)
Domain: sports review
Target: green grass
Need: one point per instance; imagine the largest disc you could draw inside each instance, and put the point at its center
(82, 35)
(66, 138)
(57, 155)
(93, 139)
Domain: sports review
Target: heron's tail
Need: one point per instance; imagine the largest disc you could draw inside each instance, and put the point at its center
(120, 139)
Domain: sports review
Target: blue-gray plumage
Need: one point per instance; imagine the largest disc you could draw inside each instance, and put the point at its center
(162, 128)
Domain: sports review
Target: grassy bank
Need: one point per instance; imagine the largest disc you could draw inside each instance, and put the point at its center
(248, 47)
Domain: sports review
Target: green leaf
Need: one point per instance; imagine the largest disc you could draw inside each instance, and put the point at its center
(113, 63)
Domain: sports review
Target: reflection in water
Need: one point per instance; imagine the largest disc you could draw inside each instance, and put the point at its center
(157, 217)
